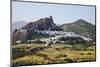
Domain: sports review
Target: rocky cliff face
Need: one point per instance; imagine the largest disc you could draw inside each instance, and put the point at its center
(25, 33)
(42, 24)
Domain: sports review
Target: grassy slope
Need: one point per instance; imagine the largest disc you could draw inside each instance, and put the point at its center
(34, 54)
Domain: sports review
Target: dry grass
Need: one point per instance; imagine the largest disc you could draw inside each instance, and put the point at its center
(29, 54)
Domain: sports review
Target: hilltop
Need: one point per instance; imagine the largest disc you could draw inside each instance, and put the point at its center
(81, 27)
(42, 24)
(27, 32)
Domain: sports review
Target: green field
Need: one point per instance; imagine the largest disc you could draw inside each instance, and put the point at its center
(33, 54)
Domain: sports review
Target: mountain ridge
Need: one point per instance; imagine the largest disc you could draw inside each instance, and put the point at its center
(79, 26)
(18, 25)
(42, 24)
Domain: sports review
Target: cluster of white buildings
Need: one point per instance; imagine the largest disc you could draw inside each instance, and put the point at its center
(56, 36)
(59, 34)
(55, 32)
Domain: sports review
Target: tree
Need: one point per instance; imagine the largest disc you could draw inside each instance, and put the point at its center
(15, 30)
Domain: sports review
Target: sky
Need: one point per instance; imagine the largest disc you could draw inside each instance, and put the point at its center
(30, 12)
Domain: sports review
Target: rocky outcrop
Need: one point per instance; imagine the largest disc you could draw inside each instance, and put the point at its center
(19, 35)
(42, 24)
(27, 32)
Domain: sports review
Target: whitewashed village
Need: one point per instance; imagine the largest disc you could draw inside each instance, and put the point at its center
(45, 26)
(50, 33)
(56, 36)
(43, 42)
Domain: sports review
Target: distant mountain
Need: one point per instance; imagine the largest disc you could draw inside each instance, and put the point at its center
(18, 25)
(81, 27)
(26, 31)
(42, 24)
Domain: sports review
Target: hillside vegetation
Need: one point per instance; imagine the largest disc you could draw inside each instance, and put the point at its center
(43, 42)
(81, 27)
(29, 54)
